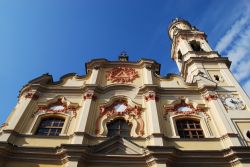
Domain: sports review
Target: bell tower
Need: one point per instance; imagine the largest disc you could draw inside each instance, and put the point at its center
(199, 64)
(189, 49)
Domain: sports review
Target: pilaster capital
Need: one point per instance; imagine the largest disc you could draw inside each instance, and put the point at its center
(150, 95)
(89, 94)
(32, 95)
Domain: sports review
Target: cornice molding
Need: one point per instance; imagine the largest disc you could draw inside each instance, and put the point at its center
(103, 63)
(79, 91)
(86, 153)
(159, 90)
(200, 59)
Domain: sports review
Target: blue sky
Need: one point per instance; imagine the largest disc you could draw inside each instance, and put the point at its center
(59, 36)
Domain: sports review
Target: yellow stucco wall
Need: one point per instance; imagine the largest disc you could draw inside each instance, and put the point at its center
(27, 164)
(195, 145)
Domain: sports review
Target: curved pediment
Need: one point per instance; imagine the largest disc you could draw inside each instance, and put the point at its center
(56, 105)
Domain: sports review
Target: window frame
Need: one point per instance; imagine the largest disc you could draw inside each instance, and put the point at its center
(37, 120)
(205, 125)
(53, 120)
(119, 129)
(188, 122)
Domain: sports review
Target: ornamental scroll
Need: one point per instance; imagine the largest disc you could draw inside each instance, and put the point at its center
(183, 108)
(61, 105)
(120, 109)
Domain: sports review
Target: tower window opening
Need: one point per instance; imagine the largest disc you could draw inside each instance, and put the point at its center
(195, 45)
(118, 127)
(216, 77)
(180, 55)
(50, 127)
(188, 128)
(248, 134)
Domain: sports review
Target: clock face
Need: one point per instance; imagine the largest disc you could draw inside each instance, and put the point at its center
(184, 109)
(232, 103)
(120, 107)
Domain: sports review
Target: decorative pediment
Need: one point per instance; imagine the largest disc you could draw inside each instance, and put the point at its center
(58, 105)
(184, 108)
(120, 108)
(117, 145)
(122, 75)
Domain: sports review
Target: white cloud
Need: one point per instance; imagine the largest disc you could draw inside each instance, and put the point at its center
(243, 70)
(240, 48)
(236, 28)
(236, 45)
(225, 41)
(246, 87)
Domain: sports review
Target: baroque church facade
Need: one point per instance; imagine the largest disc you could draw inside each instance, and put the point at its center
(124, 113)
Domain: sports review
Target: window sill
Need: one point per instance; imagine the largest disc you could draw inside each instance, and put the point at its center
(177, 138)
(30, 135)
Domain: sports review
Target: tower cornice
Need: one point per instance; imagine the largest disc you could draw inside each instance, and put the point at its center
(191, 60)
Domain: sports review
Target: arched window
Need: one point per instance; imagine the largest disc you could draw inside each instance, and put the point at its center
(50, 126)
(189, 128)
(179, 55)
(195, 45)
(118, 127)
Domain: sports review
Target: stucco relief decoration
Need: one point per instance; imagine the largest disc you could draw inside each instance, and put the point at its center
(60, 106)
(122, 75)
(120, 109)
(183, 108)
(31, 95)
(232, 103)
(211, 96)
